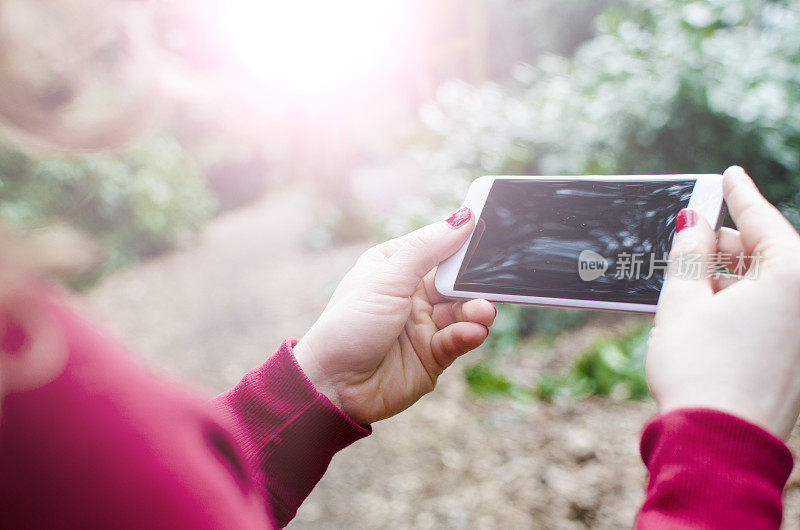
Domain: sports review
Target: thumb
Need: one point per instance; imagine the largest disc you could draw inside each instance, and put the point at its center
(420, 251)
(690, 264)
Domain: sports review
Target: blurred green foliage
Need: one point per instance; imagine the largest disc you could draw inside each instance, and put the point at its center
(611, 366)
(133, 203)
(516, 322)
(485, 382)
(513, 324)
(665, 86)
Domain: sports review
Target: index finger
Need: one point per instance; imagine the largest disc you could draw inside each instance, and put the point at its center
(758, 221)
(428, 282)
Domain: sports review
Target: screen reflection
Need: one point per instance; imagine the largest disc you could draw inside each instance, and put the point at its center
(531, 234)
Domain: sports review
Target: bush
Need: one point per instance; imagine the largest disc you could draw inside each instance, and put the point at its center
(666, 86)
(512, 324)
(611, 366)
(135, 203)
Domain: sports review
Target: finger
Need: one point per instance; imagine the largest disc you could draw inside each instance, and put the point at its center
(455, 340)
(729, 241)
(758, 221)
(388, 248)
(731, 251)
(688, 281)
(446, 313)
(434, 296)
(421, 250)
(724, 281)
(479, 311)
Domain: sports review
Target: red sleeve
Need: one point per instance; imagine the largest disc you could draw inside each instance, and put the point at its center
(288, 430)
(105, 444)
(709, 469)
(102, 443)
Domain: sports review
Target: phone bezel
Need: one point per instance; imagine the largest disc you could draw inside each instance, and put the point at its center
(706, 200)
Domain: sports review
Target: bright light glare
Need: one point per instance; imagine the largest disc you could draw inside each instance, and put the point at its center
(311, 46)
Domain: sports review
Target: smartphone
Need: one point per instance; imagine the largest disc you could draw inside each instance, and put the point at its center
(595, 242)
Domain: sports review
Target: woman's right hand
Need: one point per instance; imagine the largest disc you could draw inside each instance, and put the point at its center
(732, 345)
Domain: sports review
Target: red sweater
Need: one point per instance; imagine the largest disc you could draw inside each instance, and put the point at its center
(107, 445)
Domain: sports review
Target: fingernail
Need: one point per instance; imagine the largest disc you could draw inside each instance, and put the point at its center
(495, 309)
(686, 219)
(459, 217)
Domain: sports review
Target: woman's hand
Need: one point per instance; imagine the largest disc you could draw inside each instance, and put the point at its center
(732, 344)
(386, 334)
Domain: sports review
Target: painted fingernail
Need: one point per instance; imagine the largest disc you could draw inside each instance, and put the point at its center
(459, 217)
(495, 309)
(686, 219)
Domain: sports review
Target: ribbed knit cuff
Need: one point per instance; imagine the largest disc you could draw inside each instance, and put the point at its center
(289, 432)
(709, 469)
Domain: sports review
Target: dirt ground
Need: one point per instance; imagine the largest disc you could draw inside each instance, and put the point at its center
(209, 313)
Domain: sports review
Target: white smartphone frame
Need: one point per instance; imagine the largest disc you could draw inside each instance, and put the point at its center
(706, 200)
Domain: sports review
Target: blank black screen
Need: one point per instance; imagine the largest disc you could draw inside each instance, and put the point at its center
(531, 233)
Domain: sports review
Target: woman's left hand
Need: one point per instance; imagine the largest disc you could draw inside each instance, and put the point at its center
(387, 334)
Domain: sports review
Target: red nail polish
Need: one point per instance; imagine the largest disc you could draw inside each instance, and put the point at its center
(686, 219)
(495, 309)
(459, 217)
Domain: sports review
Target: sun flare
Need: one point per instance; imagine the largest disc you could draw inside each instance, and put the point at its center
(311, 46)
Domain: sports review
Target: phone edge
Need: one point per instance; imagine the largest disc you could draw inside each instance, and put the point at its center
(444, 280)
